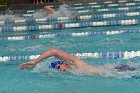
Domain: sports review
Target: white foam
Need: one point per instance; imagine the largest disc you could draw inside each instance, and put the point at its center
(40, 14)
(41, 67)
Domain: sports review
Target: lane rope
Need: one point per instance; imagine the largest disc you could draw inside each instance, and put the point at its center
(109, 55)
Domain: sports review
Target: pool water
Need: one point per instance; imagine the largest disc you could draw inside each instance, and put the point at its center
(41, 79)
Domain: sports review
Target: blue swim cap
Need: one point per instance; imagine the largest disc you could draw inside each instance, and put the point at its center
(54, 64)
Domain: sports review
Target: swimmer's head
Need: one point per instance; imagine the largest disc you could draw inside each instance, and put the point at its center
(60, 65)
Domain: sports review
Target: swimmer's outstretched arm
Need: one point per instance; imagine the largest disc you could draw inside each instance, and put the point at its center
(52, 52)
(49, 10)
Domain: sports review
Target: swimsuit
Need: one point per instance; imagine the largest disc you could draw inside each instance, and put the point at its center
(124, 67)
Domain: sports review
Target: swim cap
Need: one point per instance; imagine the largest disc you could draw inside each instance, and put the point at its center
(54, 64)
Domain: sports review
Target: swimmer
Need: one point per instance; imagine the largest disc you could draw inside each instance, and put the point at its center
(62, 10)
(66, 62)
(46, 11)
(50, 12)
(69, 62)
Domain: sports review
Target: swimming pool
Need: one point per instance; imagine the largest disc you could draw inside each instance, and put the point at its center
(42, 79)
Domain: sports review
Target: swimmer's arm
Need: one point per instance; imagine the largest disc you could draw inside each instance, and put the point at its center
(65, 56)
(58, 54)
(52, 52)
(50, 10)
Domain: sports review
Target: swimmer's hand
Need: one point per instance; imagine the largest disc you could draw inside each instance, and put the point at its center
(28, 65)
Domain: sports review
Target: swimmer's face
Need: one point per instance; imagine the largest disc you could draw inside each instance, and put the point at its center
(63, 67)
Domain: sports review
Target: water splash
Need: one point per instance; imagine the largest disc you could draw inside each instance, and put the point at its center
(63, 10)
(41, 67)
(9, 11)
(9, 15)
(40, 14)
(111, 71)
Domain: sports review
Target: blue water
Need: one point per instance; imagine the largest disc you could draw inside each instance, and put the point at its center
(44, 80)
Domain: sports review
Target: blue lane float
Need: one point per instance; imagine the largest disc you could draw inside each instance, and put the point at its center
(75, 18)
(109, 55)
(105, 6)
(83, 11)
(29, 13)
(70, 25)
(41, 36)
(90, 6)
(111, 3)
(102, 2)
(108, 9)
